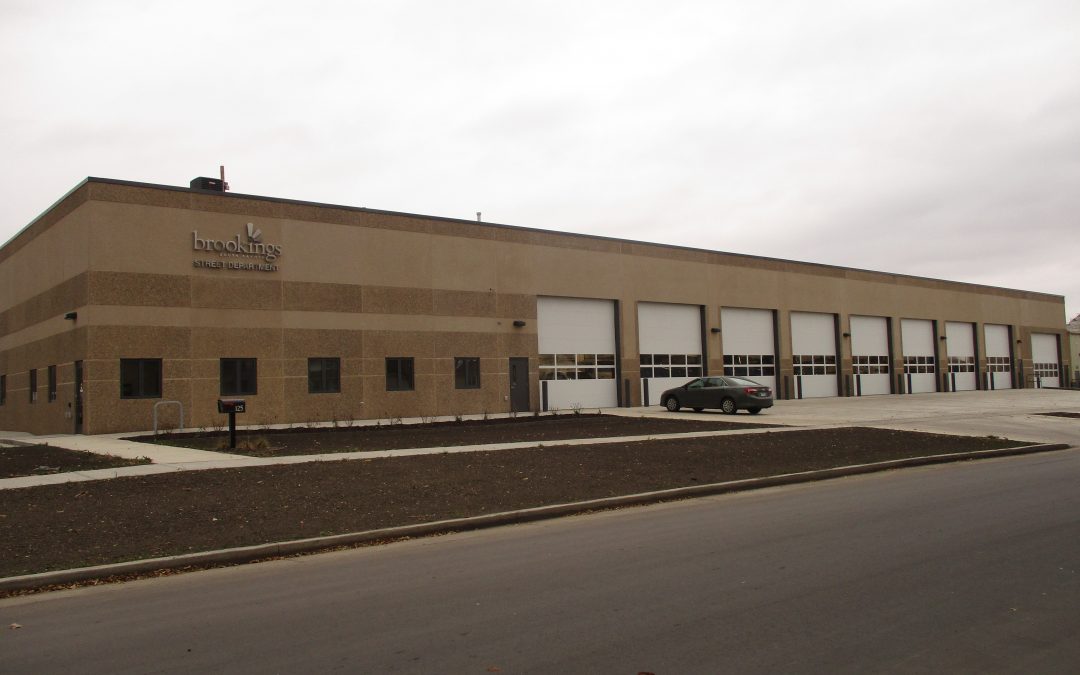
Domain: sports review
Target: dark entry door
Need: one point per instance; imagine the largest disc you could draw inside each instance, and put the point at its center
(78, 397)
(519, 384)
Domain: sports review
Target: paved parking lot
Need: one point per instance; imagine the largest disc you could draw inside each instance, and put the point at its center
(1011, 413)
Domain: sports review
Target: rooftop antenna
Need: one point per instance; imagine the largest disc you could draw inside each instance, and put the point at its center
(477, 213)
(224, 185)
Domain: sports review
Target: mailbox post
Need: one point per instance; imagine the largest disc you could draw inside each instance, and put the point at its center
(231, 406)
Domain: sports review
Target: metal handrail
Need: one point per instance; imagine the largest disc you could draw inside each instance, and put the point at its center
(166, 403)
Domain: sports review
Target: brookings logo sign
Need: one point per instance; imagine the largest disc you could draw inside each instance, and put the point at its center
(244, 245)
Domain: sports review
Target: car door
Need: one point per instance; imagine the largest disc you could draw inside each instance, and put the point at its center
(713, 392)
(692, 396)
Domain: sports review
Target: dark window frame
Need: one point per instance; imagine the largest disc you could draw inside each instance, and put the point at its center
(466, 372)
(142, 388)
(3, 389)
(33, 385)
(400, 373)
(324, 380)
(234, 367)
(51, 380)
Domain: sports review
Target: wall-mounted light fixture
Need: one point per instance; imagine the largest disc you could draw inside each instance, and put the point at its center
(1018, 340)
(942, 337)
(846, 334)
(715, 330)
(518, 323)
(71, 316)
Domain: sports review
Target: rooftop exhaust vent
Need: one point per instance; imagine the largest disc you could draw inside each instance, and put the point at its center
(213, 184)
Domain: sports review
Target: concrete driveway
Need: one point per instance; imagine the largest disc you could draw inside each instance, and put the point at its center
(1012, 413)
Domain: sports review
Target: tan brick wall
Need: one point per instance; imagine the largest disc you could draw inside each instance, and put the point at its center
(363, 285)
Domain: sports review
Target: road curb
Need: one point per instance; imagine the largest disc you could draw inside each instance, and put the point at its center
(250, 553)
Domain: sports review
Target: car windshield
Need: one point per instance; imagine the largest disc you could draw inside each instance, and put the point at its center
(740, 382)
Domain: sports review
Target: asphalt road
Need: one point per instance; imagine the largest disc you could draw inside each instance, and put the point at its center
(958, 568)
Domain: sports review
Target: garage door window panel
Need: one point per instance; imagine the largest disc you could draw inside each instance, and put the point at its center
(577, 366)
(749, 365)
(671, 365)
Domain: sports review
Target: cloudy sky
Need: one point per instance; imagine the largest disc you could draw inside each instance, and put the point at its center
(936, 138)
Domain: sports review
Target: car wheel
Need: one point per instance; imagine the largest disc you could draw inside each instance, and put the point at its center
(728, 406)
(698, 409)
(672, 404)
(753, 411)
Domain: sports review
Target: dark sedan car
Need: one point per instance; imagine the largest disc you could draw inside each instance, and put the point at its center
(726, 393)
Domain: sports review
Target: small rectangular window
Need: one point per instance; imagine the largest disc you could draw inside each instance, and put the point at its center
(140, 378)
(239, 377)
(52, 383)
(399, 374)
(324, 375)
(466, 372)
(33, 385)
(3, 389)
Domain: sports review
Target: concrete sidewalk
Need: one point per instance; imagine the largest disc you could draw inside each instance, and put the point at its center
(1009, 414)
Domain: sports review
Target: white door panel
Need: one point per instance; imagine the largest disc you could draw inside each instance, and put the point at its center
(576, 337)
(920, 364)
(960, 345)
(813, 349)
(749, 337)
(1045, 362)
(998, 359)
(870, 355)
(669, 345)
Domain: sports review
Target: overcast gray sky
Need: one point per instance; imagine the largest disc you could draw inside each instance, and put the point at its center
(937, 138)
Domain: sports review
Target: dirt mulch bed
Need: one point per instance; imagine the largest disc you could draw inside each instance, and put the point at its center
(287, 442)
(92, 523)
(35, 460)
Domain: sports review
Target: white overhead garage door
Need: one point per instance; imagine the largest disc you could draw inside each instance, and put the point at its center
(669, 342)
(998, 359)
(960, 345)
(1044, 357)
(577, 352)
(813, 354)
(870, 355)
(920, 367)
(749, 344)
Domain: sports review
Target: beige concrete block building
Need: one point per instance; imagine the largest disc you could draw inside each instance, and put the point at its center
(125, 295)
